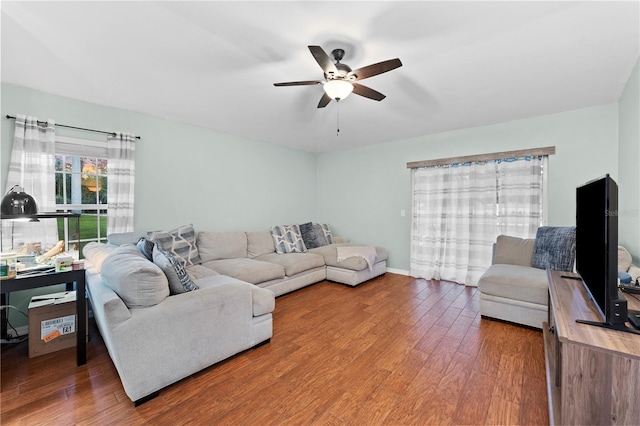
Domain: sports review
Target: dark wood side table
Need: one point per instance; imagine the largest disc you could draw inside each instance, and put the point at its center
(70, 278)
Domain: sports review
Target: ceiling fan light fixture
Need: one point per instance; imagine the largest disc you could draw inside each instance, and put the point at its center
(338, 89)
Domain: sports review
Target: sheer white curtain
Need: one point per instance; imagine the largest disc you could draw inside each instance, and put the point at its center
(458, 214)
(120, 182)
(32, 166)
(451, 226)
(521, 196)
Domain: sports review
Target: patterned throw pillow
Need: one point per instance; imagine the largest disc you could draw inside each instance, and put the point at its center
(313, 235)
(146, 247)
(180, 243)
(179, 280)
(555, 248)
(327, 233)
(288, 239)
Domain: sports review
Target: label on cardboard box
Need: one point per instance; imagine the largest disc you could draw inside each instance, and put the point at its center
(52, 328)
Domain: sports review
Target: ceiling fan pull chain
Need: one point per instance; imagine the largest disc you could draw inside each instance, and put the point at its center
(338, 118)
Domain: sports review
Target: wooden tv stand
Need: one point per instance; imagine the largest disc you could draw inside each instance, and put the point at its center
(593, 373)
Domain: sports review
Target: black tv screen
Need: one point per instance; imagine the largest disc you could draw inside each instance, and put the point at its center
(597, 243)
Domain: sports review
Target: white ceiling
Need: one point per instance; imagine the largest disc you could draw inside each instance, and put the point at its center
(213, 64)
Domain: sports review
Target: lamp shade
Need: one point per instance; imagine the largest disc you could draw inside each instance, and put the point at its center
(18, 203)
(338, 89)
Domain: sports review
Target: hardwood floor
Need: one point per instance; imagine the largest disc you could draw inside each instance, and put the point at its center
(394, 350)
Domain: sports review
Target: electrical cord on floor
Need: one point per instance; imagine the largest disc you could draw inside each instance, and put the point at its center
(17, 338)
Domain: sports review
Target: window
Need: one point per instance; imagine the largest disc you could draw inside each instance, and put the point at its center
(81, 171)
(460, 207)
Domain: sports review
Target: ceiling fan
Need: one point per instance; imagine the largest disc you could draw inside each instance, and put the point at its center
(340, 80)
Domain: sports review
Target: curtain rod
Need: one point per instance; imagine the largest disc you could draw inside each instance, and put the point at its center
(547, 150)
(73, 127)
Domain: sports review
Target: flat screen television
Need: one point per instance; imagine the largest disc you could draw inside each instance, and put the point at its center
(597, 246)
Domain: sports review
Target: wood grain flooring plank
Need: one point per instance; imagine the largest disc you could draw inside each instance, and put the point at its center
(510, 379)
(395, 350)
(376, 409)
(533, 409)
(473, 405)
(454, 380)
(503, 412)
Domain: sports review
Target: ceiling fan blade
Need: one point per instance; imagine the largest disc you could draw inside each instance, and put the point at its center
(298, 83)
(324, 100)
(375, 69)
(323, 60)
(367, 92)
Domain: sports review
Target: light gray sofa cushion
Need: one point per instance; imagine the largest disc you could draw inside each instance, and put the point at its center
(330, 255)
(515, 282)
(249, 270)
(259, 243)
(133, 278)
(262, 299)
(513, 250)
(96, 253)
(122, 238)
(221, 245)
(294, 263)
(198, 271)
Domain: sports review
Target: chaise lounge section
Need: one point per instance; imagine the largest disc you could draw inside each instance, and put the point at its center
(515, 288)
(511, 289)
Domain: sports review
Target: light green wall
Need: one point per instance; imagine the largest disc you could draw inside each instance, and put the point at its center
(184, 174)
(629, 165)
(361, 192)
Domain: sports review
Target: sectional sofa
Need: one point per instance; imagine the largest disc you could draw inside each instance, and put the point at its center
(252, 257)
(163, 320)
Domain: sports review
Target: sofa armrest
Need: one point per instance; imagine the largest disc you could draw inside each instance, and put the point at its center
(108, 308)
(264, 301)
(201, 327)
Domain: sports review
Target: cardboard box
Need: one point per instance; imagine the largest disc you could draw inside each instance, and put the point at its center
(52, 323)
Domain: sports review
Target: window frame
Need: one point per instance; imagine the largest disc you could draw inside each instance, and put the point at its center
(82, 148)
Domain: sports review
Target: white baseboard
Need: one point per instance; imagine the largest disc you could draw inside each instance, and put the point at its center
(398, 271)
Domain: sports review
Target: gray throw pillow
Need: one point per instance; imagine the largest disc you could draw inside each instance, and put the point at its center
(146, 247)
(327, 233)
(179, 280)
(555, 248)
(313, 235)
